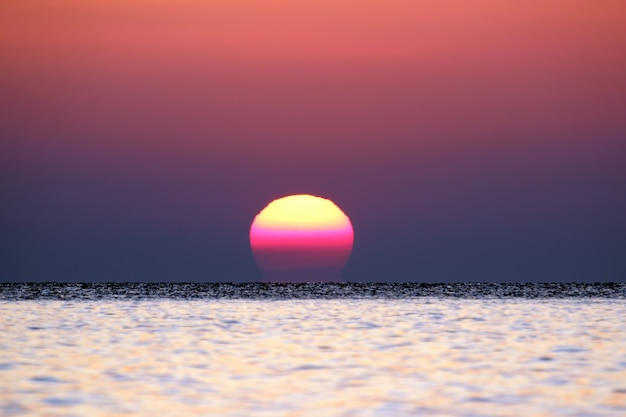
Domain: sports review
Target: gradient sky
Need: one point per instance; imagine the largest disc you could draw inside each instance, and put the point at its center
(467, 140)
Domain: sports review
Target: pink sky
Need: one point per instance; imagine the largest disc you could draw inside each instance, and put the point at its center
(422, 118)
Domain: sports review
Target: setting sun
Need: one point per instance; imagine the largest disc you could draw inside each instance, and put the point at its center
(301, 238)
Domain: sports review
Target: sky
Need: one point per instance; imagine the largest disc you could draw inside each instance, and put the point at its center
(466, 140)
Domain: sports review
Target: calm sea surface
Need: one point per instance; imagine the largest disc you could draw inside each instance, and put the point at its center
(313, 357)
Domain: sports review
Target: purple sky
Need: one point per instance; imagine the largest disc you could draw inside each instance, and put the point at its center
(467, 141)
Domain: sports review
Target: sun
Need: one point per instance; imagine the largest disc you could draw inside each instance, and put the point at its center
(301, 238)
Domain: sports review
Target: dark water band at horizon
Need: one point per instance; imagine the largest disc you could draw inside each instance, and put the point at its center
(138, 291)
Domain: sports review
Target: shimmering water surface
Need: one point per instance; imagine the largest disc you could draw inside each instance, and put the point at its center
(342, 357)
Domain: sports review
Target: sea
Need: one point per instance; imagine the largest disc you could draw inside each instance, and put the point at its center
(334, 349)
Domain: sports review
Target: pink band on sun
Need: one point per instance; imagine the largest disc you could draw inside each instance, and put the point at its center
(299, 234)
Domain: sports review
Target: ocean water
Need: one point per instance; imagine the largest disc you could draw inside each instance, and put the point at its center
(299, 356)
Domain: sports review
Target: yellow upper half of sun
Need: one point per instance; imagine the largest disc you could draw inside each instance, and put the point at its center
(301, 212)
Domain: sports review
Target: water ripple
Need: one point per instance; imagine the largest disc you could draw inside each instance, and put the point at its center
(310, 357)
